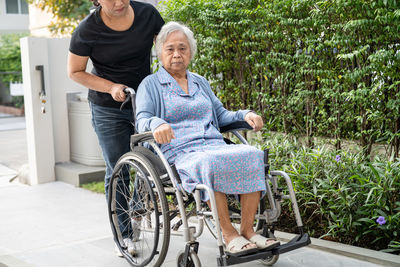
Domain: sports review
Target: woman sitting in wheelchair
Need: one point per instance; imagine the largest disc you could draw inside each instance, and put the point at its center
(184, 115)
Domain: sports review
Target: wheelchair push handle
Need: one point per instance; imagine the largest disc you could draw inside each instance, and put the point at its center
(130, 96)
(129, 91)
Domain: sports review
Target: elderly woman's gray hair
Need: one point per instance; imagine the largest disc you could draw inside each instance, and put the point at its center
(171, 27)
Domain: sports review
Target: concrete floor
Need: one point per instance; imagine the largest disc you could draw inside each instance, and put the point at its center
(57, 224)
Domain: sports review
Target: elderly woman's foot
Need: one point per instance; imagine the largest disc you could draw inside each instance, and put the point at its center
(239, 245)
(263, 242)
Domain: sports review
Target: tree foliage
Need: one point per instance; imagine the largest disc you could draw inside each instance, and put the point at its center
(67, 14)
(313, 68)
(10, 58)
(341, 196)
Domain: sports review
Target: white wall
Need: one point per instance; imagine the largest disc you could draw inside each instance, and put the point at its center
(60, 85)
(12, 23)
(48, 133)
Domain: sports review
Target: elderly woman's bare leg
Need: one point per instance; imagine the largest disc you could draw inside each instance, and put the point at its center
(228, 231)
(249, 203)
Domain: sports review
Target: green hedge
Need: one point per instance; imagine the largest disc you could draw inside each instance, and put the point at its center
(313, 68)
(340, 194)
(10, 58)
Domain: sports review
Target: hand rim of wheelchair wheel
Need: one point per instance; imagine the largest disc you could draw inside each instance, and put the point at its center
(154, 190)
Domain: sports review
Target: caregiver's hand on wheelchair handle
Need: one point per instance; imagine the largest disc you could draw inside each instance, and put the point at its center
(163, 134)
(117, 92)
(254, 121)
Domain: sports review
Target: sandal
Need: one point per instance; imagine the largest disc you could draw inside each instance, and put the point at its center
(237, 247)
(262, 242)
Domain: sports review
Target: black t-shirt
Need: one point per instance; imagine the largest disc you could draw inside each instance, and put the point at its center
(118, 56)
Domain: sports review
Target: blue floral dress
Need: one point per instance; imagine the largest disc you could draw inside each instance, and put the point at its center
(199, 152)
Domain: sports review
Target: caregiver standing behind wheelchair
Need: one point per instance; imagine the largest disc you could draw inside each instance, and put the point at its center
(184, 115)
(117, 37)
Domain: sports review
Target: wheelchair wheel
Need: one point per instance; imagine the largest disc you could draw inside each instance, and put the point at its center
(138, 210)
(234, 211)
(271, 260)
(192, 261)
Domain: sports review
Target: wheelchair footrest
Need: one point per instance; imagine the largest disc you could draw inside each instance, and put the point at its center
(297, 242)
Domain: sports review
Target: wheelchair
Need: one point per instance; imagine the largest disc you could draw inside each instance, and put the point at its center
(146, 193)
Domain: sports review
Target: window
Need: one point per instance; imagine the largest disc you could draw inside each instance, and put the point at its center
(24, 6)
(16, 7)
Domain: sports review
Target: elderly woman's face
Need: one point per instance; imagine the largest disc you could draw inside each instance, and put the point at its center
(175, 54)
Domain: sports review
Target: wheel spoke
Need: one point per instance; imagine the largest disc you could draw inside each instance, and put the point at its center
(141, 209)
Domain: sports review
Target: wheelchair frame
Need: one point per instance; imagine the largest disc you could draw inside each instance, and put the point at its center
(190, 233)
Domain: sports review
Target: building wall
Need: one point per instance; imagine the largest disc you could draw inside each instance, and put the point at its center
(12, 23)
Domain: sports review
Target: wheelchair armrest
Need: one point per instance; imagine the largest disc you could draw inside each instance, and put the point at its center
(236, 126)
(142, 137)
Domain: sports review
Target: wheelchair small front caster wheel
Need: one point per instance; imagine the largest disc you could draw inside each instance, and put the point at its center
(269, 261)
(192, 261)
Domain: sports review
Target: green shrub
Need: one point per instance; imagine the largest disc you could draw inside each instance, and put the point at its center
(340, 194)
(313, 68)
(97, 187)
(10, 58)
(17, 101)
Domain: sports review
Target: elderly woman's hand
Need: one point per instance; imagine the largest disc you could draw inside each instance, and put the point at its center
(163, 134)
(254, 121)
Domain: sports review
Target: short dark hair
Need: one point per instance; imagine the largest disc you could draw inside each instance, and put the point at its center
(95, 2)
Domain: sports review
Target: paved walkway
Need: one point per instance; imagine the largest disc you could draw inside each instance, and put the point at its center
(13, 151)
(57, 224)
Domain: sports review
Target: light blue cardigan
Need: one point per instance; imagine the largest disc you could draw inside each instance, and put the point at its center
(150, 106)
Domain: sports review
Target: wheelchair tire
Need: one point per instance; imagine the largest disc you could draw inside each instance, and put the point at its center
(143, 203)
(193, 260)
(234, 208)
(271, 260)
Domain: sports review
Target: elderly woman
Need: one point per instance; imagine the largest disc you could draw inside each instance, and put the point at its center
(184, 115)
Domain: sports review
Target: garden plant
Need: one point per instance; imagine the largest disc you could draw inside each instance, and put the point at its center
(10, 63)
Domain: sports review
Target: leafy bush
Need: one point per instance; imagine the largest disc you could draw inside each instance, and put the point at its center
(313, 68)
(66, 14)
(17, 101)
(341, 195)
(10, 58)
(97, 187)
